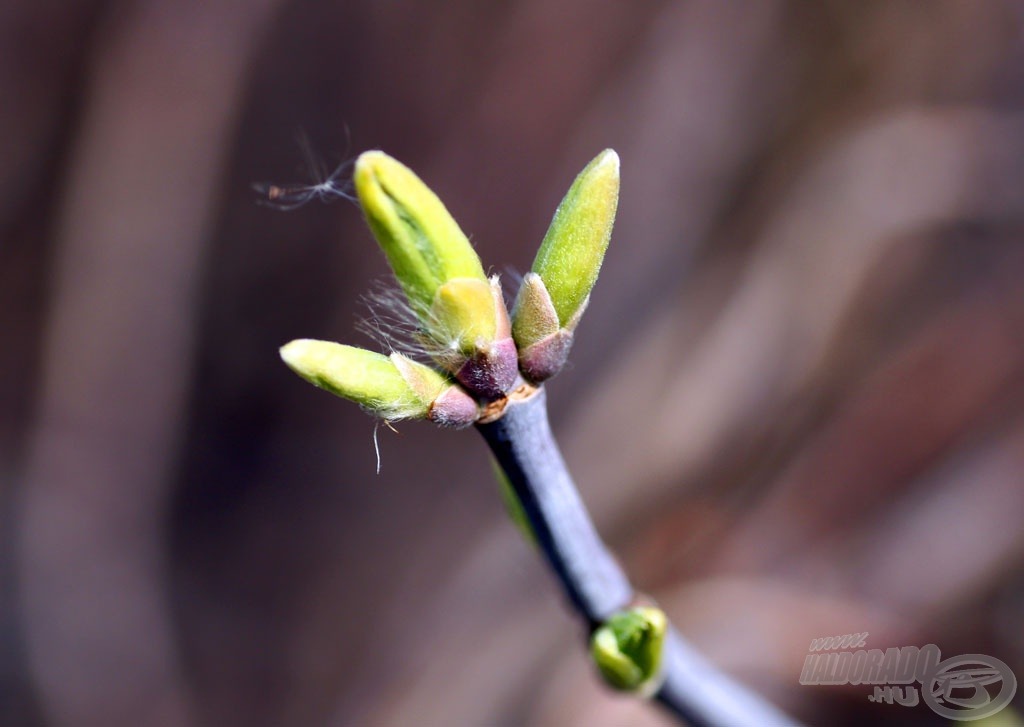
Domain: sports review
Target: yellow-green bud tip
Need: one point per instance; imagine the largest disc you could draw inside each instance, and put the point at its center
(570, 257)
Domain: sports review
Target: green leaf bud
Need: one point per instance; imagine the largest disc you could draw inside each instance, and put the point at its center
(627, 649)
(391, 387)
(570, 257)
(441, 275)
(424, 245)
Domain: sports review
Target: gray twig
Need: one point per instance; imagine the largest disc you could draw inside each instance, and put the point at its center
(524, 446)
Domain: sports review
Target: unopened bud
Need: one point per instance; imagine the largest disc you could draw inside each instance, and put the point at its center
(391, 387)
(627, 649)
(441, 275)
(570, 257)
(424, 245)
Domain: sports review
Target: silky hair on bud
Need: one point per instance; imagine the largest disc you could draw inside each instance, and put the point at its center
(391, 322)
(394, 324)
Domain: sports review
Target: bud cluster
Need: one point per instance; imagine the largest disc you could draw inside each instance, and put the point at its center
(480, 351)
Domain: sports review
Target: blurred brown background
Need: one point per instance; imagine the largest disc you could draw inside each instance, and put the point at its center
(797, 401)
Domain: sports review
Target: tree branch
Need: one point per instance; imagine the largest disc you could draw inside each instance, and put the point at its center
(520, 438)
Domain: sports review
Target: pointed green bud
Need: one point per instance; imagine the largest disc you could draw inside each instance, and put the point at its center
(628, 648)
(553, 297)
(441, 275)
(390, 387)
(424, 245)
(570, 257)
